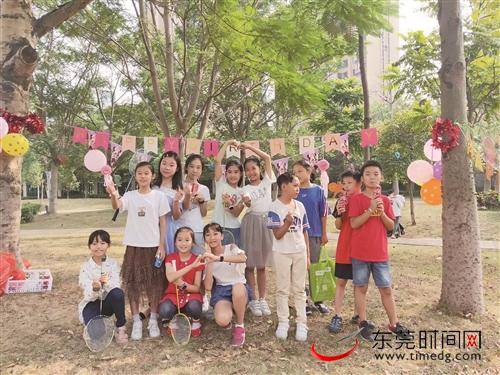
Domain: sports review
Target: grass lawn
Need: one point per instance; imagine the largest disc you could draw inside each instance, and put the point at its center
(96, 213)
(41, 334)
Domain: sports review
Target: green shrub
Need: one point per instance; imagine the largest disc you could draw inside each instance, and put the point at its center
(29, 211)
(489, 199)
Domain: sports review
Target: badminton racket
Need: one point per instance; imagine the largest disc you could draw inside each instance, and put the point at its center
(180, 326)
(99, 331)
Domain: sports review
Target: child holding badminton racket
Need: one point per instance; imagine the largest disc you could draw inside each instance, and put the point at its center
(313, 198)
(225, 277)
(351, 182)
(288, 220)
(256, 239)
(183, 270)
(169, 181)
(194, 203)
(228, 200)
(101, 274)
(144, 238)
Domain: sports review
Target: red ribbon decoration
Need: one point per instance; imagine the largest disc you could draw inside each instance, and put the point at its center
(332, 358)
(32, 122)
(445, 134)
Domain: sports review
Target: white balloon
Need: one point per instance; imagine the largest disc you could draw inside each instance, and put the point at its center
(4, 127)
(432, 153)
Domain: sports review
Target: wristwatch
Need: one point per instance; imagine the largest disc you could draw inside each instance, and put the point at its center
(221, 258)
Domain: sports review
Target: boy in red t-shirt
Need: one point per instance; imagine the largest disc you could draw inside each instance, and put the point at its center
(371, 217)
(351, 182)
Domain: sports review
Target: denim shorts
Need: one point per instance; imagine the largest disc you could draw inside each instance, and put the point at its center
(225, 293)
(361, 273)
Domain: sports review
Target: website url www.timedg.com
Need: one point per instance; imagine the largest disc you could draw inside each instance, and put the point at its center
(421, 356)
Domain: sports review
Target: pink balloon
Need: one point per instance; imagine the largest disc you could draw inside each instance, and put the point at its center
(323, 165)
(94, 160)
(4, 127)
(432, 153)
(438, 170)
(420, 171)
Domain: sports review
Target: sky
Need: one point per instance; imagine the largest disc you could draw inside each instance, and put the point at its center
(413, 19)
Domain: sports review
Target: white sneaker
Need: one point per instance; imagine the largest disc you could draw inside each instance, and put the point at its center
(136, 331)
(264, 307)
(254, 306)
(154, 330)
(282, 331)
(301, 332)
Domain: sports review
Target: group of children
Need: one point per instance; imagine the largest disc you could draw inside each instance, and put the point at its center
(175, 261)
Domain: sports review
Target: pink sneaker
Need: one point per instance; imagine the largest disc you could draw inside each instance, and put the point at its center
(238, 336)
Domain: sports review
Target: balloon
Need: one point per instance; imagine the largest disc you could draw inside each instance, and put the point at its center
(15, 144)
(333, 187)
(419, 171)
(94, 160)
(324, 182)
(431, 192)
(432, 153)
(438, 170)
(4, 127)
(323, 165)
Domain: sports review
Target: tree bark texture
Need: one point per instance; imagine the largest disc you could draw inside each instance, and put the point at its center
(412, 204)
(364, 84)
(54, 183)
(462, 278)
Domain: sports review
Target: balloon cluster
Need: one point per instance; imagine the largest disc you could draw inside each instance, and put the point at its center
(12, 142)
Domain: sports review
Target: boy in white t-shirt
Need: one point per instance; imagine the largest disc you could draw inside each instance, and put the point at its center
(288, 219)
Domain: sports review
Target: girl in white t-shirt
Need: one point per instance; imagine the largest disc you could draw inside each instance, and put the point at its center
(228, 202)
(256, 239)
(144, 237)
(195, 200)
(169, 181)
(225, 264)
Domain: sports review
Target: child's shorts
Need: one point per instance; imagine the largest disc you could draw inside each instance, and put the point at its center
(343, 271)
(225, 293)
(361, 273)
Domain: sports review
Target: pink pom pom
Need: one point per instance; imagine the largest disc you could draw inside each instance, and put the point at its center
(323, 165)
(106, 170)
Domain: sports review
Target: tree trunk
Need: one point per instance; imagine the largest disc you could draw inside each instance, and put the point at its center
(18, 59)
(364, 84)
(412, 204)
(54, 174)
(462, 279)
(395, 185)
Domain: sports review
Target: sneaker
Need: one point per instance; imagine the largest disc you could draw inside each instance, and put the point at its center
(322, 308)
(136, 331)
(238, 336)
(355, 320)
(121, 336)
(400, 331)
(301, 332)
(282, 331)
(335, 325)
(254, 307)
(367, 330)
(264, 307)
(154, 330)
(196, 328)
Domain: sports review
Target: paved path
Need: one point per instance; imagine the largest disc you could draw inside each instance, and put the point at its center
(37, 233)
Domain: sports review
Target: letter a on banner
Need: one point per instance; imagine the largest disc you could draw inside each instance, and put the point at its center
(306, 144)
(277, 146)
(332, 142)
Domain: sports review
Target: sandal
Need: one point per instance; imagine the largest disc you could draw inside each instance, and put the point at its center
(121, 335)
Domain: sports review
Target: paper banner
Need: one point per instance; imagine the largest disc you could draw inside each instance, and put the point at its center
(344, 144)
(249, 153)
(192, 146)
(488, 172)
(80, 135)
(210, 147)
(489, 150)
(332, 142)
(128, 142)
(277, 146)
(151, 145)
(101, 140)
(116, 152)
(91, 138)
(281, 165)
(232, 152)
(311, 157)
(306, 144)
(369, 137)
(171, 144)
